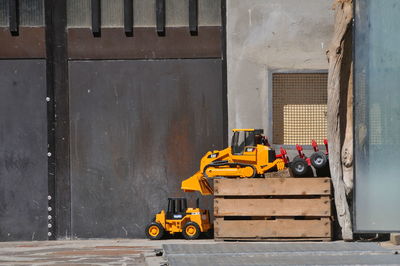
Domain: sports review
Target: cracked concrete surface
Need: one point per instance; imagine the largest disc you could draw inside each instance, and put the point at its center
(86, 252)
(113, 251)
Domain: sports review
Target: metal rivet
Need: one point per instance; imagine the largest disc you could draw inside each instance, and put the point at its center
(49, 154)
(49, 233)
(49, 217)
(49, 225)
(47, 99)
(49, 197)
(49, 209)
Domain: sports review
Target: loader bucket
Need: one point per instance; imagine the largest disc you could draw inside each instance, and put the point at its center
(197, 182)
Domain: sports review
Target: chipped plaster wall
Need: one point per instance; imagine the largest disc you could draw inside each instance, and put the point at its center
(268, 35)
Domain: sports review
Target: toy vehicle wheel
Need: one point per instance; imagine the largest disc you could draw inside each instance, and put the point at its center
(191, 230)
(319, 160)
(299, 166)
(154, 231)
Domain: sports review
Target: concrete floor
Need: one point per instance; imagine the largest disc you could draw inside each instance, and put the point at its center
(124, 252)
(86, 252)
(281, 253)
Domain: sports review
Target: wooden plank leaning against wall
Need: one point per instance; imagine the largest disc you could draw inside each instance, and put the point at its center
(340, 116)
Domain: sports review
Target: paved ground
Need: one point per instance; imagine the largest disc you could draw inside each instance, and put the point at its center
(198, 252)
(290, 253)
(86, 252)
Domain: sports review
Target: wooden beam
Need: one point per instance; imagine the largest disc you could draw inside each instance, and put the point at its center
(343, 20)
(272, 186)
(281, 228)
(273, 207)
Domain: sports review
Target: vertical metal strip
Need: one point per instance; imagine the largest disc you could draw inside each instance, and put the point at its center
(128, 17)
(50, 118)
(13, 16)
(225, 134)
(193, 16)
(96, 17)
(160, 17)
(59, 195)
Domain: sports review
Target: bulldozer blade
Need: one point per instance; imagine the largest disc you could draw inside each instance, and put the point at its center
(197, 182)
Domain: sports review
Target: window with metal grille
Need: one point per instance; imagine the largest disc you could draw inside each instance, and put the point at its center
(299, 107)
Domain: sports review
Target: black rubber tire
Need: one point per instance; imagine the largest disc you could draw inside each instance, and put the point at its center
(299, 166)
(209, 234)
(319, 160)
(154, 237)
(191, 236)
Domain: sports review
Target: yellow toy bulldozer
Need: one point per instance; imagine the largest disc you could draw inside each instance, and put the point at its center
(249, 155)
(179, 219)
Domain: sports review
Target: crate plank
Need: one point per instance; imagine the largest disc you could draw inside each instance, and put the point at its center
(273, 239)
(281, 228)
(272, 186)
(273, 207)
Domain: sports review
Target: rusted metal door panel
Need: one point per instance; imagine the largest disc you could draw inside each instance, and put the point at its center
(23, 149)
(138, 128)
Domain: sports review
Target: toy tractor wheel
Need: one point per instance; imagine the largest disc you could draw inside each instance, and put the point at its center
(191, 230)
(154, 231)
(319, 160)
(299, 166)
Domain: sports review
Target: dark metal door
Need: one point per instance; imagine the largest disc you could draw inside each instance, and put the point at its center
(138, 128)
(23, 149)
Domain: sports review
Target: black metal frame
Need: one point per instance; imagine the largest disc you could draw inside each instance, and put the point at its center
(59, 189)
(96, 17)
(176, 206)
(193, 16)
(224, 76)
(13, 16)
(160, 17)
(128, 17)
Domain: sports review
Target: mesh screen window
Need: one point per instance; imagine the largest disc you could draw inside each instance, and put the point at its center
(299, 107)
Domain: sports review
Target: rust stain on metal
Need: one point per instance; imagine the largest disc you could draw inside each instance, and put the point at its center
(30, 43)
(180, 135)
(176, 44)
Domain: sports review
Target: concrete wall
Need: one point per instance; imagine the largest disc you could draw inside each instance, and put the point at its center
(268, 35)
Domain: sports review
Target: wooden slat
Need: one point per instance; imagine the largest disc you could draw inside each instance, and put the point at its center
(273, 239)
(272, 207)
(282, 228)
(272, 186)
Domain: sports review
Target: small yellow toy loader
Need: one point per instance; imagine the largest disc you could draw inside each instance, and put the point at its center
(179, 219)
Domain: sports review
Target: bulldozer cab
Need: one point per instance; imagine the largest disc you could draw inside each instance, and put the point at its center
(245, 139)
(176, 208)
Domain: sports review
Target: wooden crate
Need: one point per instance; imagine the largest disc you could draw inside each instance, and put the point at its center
(273, 208)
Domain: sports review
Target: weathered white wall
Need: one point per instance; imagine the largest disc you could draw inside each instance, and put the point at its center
(268, 35)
